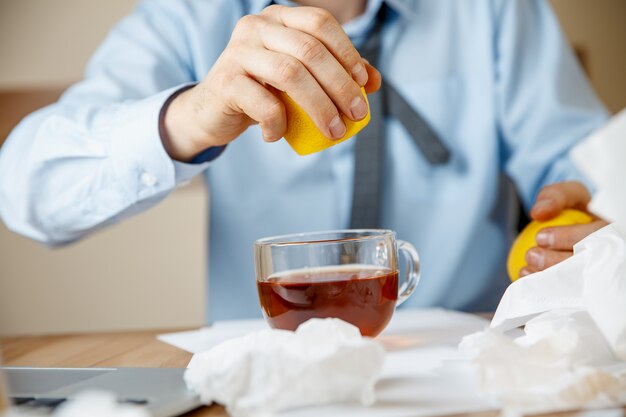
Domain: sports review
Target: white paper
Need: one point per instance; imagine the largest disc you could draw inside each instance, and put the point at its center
(423, 374)
(601, 158)
(407, 327)
(559, 287)
(196, 341)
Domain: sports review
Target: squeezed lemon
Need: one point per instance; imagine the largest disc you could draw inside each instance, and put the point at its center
(304, 136)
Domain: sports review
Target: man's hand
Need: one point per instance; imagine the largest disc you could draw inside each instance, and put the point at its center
(300, 50)
(555, 244)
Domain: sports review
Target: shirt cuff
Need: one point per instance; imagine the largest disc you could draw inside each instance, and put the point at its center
(142, 165)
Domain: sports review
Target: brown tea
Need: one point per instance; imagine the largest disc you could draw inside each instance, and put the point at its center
(359, 294)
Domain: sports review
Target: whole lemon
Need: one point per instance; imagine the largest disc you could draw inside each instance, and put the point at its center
(304, 136)
(526, 239)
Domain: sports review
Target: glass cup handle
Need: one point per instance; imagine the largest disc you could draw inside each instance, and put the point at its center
(413, 271)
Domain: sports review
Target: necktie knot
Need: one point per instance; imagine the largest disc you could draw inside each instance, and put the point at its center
(369, 150)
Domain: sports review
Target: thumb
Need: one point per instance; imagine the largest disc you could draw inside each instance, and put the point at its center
(554, 198)
(374, 79)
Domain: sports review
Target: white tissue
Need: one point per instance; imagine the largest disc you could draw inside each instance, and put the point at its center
(561, 362)
(604, 285)
(600, 158)
(593, 279)
(573, 351)
(324, 361)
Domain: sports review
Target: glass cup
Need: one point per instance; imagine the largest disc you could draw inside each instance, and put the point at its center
(347, 274)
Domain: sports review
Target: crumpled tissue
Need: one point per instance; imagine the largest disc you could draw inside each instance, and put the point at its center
(87, 403)
(600, 158)
(561, 361)
(573, 351)
(324, 361)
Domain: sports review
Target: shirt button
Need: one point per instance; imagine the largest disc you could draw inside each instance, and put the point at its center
(148, 179)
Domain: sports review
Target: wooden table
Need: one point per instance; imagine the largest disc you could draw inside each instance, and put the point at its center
(133, 349)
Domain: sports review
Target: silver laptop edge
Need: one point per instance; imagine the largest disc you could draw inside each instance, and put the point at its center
(161, 390)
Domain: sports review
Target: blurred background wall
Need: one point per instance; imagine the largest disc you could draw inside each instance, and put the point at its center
(149, 272)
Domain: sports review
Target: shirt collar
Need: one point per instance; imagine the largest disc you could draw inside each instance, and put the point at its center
(356, 27)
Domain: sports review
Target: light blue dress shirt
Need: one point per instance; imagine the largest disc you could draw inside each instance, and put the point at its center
(495, 79)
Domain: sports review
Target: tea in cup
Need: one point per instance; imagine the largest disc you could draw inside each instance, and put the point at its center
(347, 274)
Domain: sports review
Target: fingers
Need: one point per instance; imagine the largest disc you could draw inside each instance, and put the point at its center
(260, 105)
(320, 24)
(539, 259)
(287, 74)
(565, 237)
(332, 77)
(302, 51)
(555, 244)
(552, 199)
(527, 270)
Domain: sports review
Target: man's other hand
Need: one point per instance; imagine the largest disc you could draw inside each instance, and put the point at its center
(555, 244)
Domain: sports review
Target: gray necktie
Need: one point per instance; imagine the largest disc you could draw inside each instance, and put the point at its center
(369, 146)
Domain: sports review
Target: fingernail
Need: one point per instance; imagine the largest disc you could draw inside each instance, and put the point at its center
(545, 239)
(359, 74)
(358, 108)
(543, 204)
(337, 127)
(535, 258)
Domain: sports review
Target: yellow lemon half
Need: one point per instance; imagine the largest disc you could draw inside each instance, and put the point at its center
(526, 239)
(305, 138)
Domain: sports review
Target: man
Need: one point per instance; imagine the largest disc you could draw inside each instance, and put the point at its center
(176, 81)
